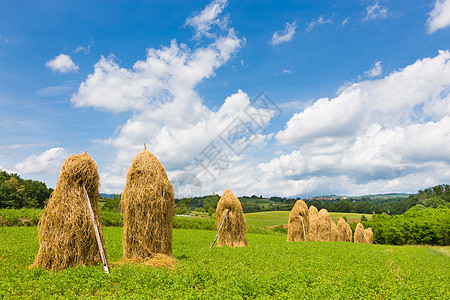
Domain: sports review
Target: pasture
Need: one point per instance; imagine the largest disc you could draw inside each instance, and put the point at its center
(268, 268)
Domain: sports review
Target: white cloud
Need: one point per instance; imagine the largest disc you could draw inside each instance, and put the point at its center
(319, 21)
(84, 49)
(285, 35)
(62, 64)
(345, 21)
(209, 16)
(376, 70)
(375, 12)
(375, 136)
(49, 162)
(167, 113)
(439, 16)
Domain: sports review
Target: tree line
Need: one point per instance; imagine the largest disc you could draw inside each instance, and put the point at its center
(16, 192)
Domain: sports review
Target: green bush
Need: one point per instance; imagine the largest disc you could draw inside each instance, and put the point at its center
(429, 226)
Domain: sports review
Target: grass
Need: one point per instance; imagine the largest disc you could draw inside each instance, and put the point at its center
(269, 268)
(270, 218)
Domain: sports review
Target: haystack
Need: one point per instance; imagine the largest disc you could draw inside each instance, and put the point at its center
(327, 228)
(369, 235)
(313, 234)
(344, 231)
(359, 236)
(298, 226)
(148, 209)
(66, 233)
(233, 228)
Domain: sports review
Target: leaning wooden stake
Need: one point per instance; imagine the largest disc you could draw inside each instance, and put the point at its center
(97, 235)
(220, 228)
(303, 225)
(364, 236)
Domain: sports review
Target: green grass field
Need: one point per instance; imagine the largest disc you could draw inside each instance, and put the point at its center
(270, 218)
(268, 268)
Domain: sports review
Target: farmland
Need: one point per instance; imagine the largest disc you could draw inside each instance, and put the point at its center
(268, 267)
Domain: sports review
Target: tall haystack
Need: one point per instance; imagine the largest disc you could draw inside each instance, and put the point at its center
(327, 228)
(148, 209)
(359, 236)
(344, 231)
(369, 235)
(333, 232)
(313, 234)
(66, 233)
(233, 229)
(298, 225)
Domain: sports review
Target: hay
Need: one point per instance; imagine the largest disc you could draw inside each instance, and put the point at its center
(326, 227)
(148, 209)
(298, 230)
(313, 234)
(344, 231)
(369, 235)
(359, 237)
(158, 260)
(233, 230)
(66, 232)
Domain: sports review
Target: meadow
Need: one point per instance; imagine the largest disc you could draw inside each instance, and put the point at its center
(268, 268)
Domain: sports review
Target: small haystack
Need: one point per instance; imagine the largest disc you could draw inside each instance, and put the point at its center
(298, 226)
(327, 228)
(359, 236)
(344, 231)
(66, 233)
(233, 229)
(148, 209)
(369, 235)
(313, 234)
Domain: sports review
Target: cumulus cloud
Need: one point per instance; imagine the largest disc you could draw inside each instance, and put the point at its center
(375, 12)
(49, 162)
(285, 35)
(376, 70)
(62, 63)
(388, 131)
(207, 18)
(319, 21)
(439, 17)
(167, 113)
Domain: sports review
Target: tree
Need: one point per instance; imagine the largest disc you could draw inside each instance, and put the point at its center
(12, 193)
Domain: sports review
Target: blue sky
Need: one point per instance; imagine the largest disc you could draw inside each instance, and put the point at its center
(359, 93)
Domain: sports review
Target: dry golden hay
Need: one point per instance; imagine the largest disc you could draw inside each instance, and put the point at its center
(359, 237)
(344, 231)
(333, 232)
(158, 260)
(298, 225)
(148, 209)
(66, 233)
(327, 228)
(233, 229)
(313, 234)
(369, 235)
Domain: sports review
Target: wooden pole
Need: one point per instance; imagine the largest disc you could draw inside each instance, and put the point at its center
(364, 236)
(303, 225)
(220, 228)
(97, 235)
